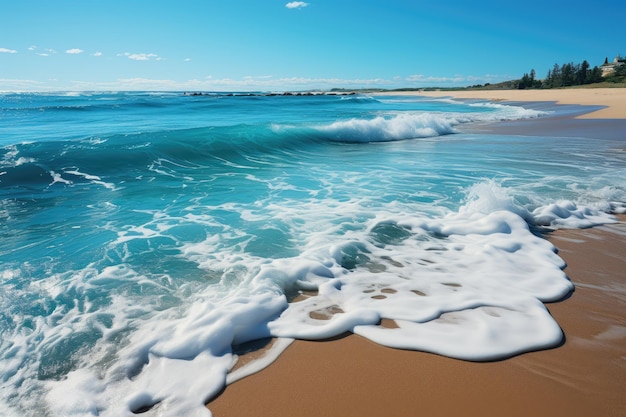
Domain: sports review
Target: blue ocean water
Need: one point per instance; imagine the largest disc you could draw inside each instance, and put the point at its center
(146, 234)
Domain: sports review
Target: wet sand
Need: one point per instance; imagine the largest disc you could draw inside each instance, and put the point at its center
(585, 376)
(352, 376)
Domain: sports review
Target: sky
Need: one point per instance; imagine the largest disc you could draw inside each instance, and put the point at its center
(280, 45)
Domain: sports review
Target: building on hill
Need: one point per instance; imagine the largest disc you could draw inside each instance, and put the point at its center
(609, 67)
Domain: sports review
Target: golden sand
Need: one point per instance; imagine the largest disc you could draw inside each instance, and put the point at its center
(613, 99)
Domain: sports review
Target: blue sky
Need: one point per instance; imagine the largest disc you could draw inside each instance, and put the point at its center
(238, 45)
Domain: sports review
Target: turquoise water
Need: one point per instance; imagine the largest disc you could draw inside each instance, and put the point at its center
(145, 234)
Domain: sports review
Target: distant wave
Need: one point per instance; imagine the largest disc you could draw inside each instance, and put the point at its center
(101, 106)
(31, 163)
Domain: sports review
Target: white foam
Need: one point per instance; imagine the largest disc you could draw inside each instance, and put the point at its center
(479, 262)
(398, 127)
(410, 125)
(57, 178)
(93, 178)
(469, 284)
(11, 158)
(568, 214)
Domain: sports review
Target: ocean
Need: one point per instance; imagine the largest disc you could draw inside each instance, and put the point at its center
(147, 237)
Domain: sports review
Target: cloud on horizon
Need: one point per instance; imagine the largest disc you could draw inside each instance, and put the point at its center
(296, 5)
(97, 54)
(7, 84)
(457, 80)
(8, 51)
(245, 83)
(74, 51)
(419, 78)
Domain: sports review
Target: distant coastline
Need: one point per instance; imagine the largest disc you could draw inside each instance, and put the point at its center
(610, 98)
(272, 94)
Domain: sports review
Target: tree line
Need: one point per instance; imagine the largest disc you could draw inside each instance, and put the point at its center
(565, 75)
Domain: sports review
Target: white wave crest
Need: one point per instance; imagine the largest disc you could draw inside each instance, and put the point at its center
(412, 125)
(489, 196)
(382, 129)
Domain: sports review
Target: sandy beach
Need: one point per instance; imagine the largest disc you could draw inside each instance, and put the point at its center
(610, 100)
(585, 376)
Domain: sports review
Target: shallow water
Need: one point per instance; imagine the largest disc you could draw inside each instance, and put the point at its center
(145, 234)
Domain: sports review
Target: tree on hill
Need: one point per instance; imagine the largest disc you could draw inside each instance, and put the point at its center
(567, 75)
(529, 81)
(582, 73)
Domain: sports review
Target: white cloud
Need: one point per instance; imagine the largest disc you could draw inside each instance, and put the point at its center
(47, 53)
(419, 78)
(209, 83)
(32, 48)
(247, 83)
(296, 5)
(456, 80)
(97, 54)
(8, 51)
(74, 51)
(142, 57)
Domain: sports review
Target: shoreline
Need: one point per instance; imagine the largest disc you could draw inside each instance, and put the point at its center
(350, 375)
(610, 101)
(598, 113)
(585, 375)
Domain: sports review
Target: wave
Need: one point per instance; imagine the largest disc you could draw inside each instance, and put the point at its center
(40, 104)
(489, 196)
(409, 125)
(381, 129)
(103, 106)
(123, 154)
